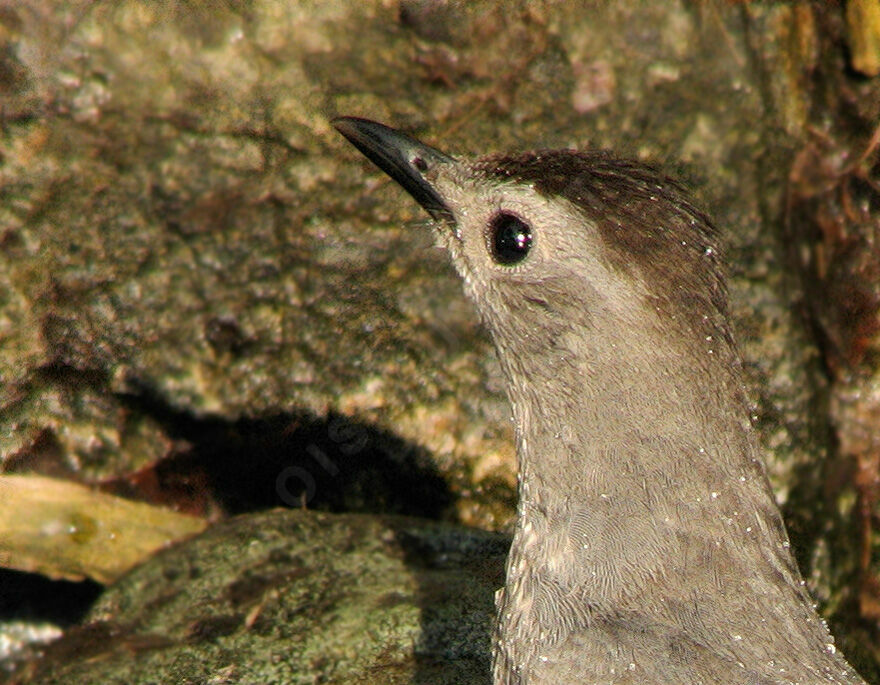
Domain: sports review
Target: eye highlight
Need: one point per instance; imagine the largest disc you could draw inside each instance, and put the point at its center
(509, 238)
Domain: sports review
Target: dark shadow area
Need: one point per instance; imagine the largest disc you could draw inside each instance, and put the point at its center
(457, 579)
(294, 460)
(29, 597)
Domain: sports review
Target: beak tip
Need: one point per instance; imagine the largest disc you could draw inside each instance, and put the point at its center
(402, 157)
(345, 124)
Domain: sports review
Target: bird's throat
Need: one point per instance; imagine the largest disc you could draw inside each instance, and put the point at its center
(632, 466)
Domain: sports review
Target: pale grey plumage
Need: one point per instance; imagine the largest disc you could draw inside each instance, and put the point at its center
(648, 547)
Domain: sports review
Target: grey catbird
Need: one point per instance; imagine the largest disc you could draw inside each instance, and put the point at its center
(648, 547)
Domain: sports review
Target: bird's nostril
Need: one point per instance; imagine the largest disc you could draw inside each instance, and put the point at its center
(420, 164)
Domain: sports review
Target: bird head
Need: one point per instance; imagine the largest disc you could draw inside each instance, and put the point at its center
(560, 248)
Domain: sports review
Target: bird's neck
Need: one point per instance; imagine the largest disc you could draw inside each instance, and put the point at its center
(643, 453)
(635, 419)
(644, 517)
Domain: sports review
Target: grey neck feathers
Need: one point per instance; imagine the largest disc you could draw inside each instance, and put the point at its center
(641, 494)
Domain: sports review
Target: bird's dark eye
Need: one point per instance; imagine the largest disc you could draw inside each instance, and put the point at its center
(509, 238)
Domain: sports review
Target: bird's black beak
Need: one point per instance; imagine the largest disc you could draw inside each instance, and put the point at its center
(404, 159)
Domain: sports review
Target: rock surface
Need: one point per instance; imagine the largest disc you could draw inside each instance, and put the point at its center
(296, 597)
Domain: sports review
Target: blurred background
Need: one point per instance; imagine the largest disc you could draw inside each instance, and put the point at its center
(211, 306)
